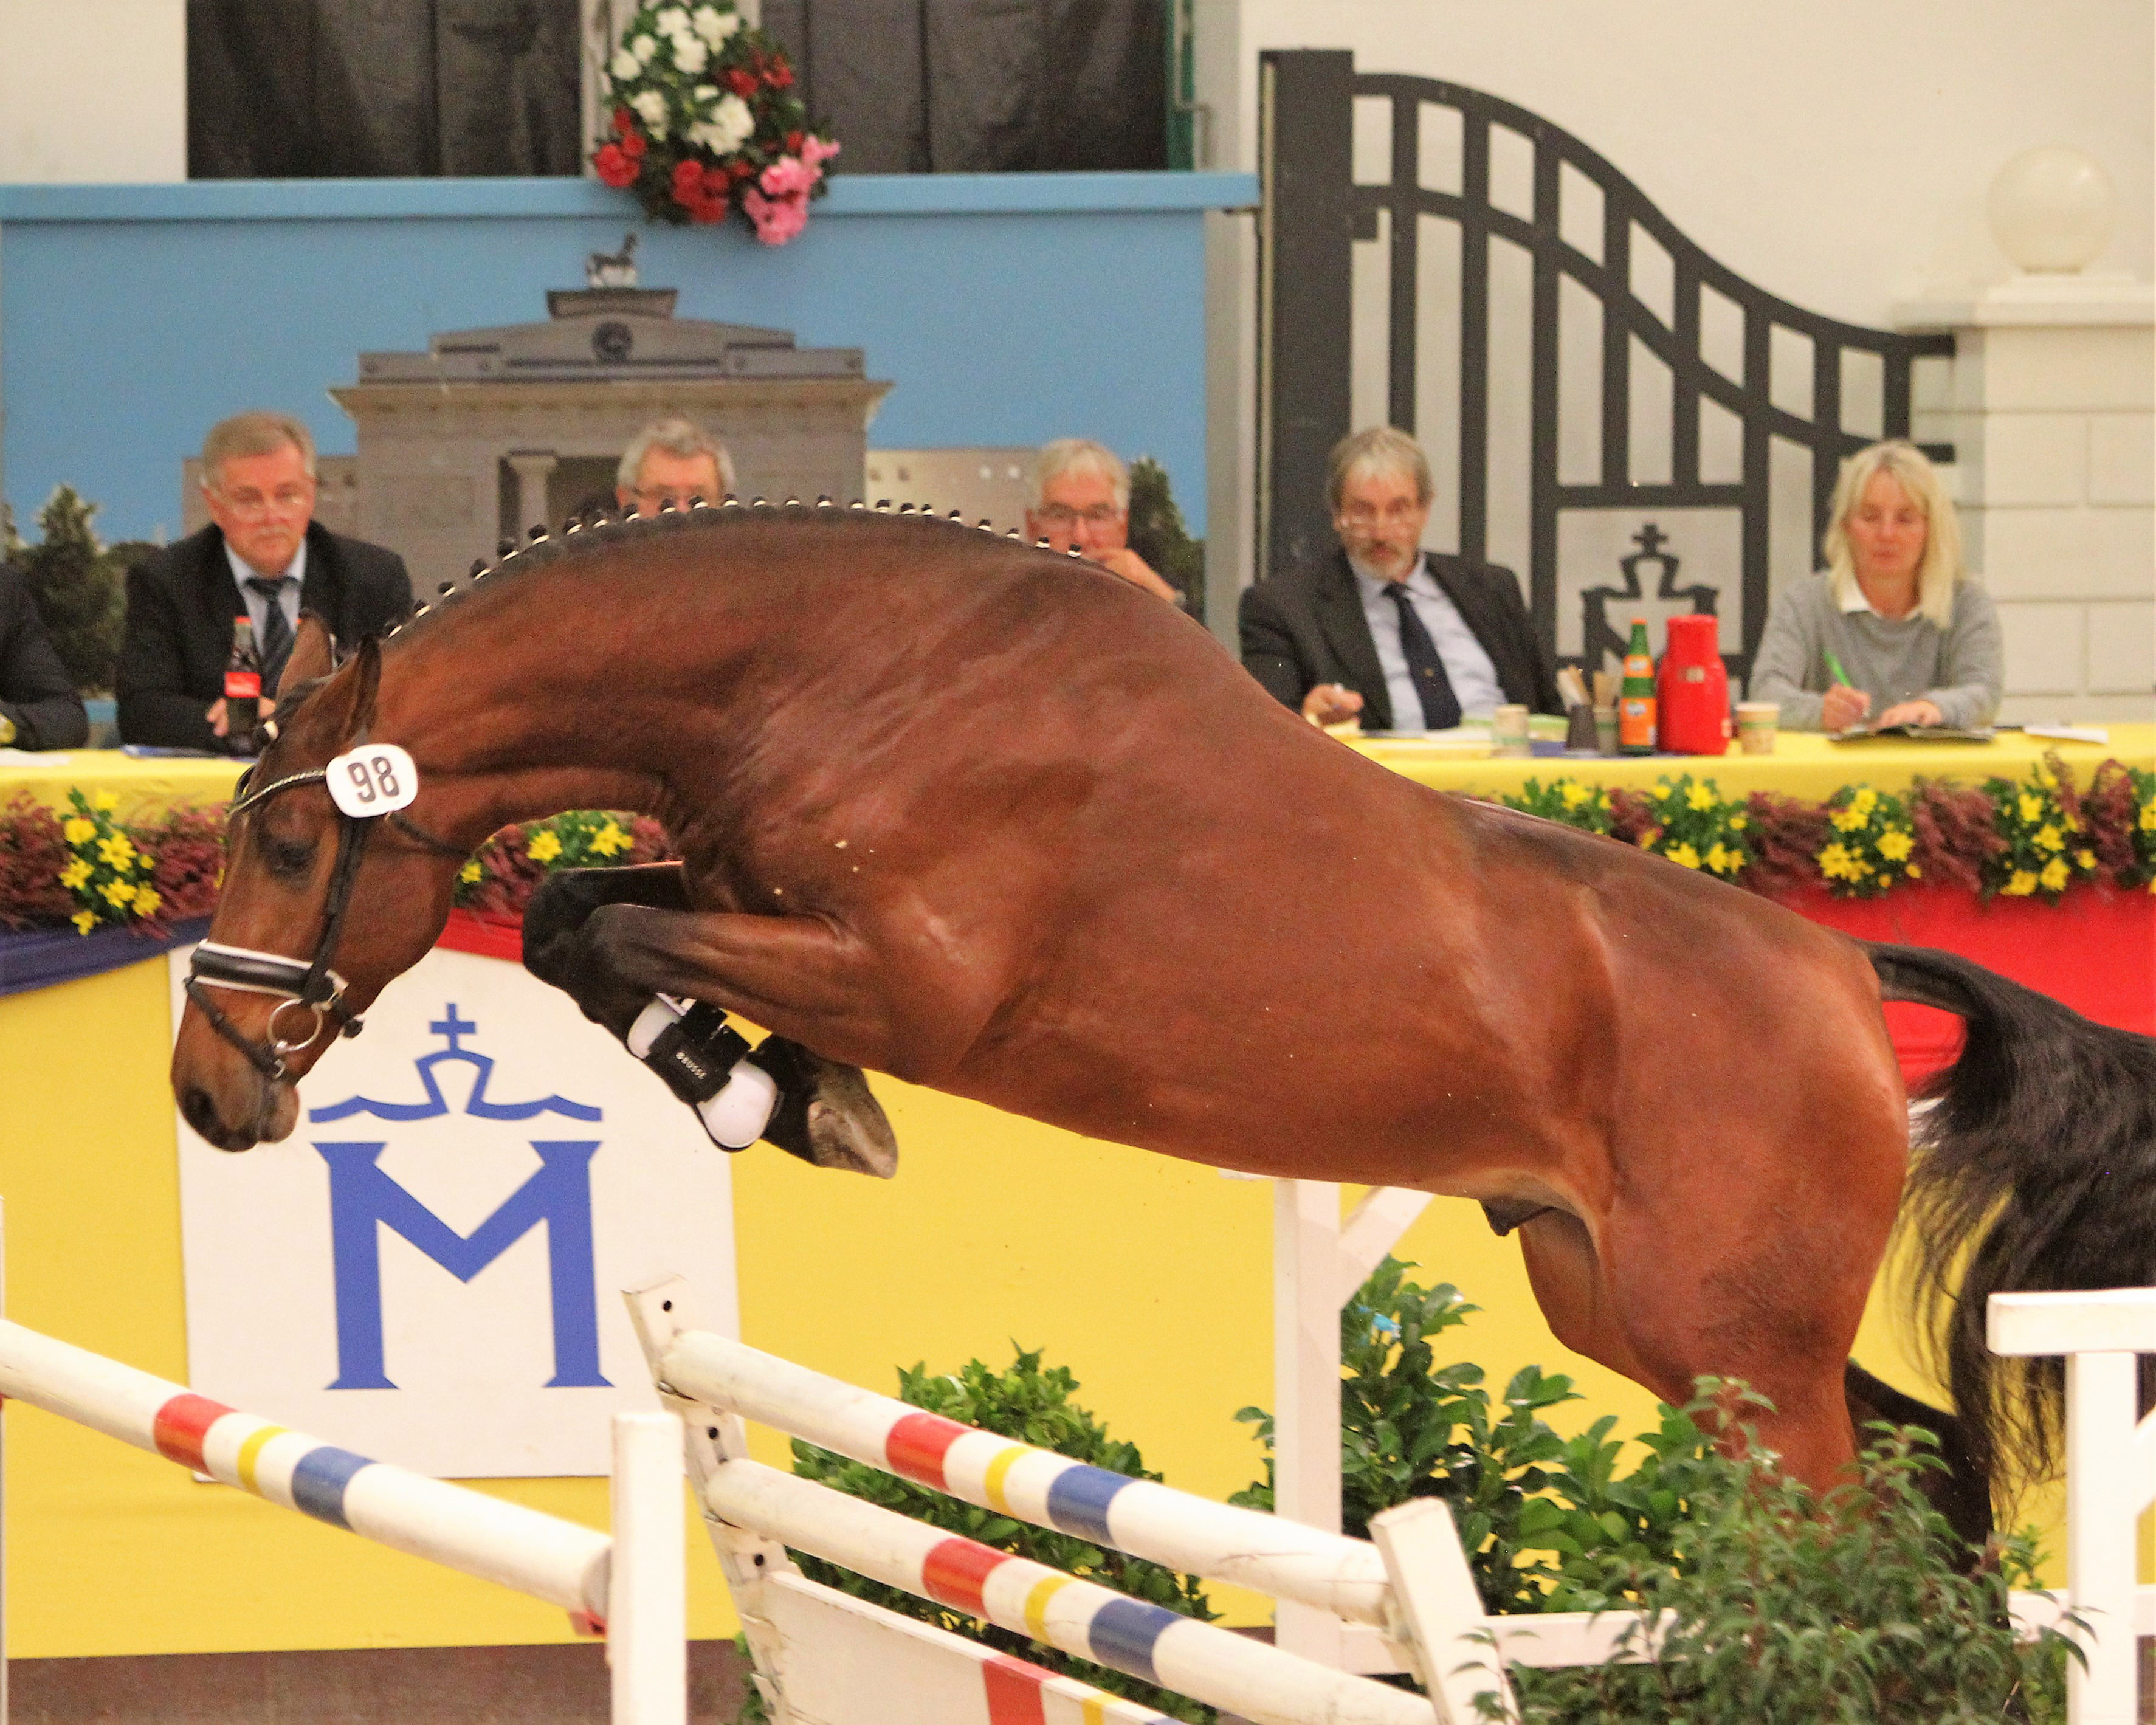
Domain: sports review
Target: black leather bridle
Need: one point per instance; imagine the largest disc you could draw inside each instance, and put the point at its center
(308, 983)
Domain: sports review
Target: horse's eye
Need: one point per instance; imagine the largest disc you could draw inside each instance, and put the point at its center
(287, 857)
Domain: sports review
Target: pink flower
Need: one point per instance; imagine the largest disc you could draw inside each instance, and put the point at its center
(789, 176)
(777, 219)
(815, 152)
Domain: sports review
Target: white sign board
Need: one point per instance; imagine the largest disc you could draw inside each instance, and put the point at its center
(429, 1269)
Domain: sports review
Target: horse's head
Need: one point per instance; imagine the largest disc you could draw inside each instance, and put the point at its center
(320, 907)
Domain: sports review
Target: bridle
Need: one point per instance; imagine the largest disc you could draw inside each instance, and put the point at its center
(309, 984)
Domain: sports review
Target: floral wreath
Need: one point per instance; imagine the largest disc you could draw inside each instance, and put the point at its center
(706, 121)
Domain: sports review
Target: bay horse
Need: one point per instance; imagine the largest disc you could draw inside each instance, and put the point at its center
(993, 821)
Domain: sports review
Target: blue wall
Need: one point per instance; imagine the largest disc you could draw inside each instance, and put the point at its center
(1006, 309)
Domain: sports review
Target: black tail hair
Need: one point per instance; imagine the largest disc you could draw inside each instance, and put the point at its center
(2039, 1161)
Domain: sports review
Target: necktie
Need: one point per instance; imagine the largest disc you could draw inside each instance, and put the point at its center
(276, 643)
(1441, 706)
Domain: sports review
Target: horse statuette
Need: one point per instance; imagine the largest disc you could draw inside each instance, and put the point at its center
(995, 822)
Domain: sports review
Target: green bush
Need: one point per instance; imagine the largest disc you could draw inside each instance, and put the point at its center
(1157, 534)
(78, 585)
(1032, 1404)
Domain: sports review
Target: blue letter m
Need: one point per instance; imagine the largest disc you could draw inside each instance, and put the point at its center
(559, 1194)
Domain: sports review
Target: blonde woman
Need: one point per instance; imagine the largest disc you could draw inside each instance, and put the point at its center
(1892, 631)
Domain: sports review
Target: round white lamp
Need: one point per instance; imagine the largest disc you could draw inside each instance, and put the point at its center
(2051, 209)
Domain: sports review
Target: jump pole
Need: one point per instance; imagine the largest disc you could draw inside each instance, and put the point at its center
(1418, 1588)
(631, 1590)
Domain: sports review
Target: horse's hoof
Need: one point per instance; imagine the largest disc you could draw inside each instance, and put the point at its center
(826, 1113)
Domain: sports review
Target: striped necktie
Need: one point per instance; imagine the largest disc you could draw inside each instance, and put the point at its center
(276, 633)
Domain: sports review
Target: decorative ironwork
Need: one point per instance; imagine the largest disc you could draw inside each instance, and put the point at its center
(1599, 635)
(1313, 212)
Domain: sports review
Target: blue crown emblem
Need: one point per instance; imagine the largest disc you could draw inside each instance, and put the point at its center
(450, 1028)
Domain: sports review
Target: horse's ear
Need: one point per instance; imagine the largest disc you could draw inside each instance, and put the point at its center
(313, 654)
(345, 702)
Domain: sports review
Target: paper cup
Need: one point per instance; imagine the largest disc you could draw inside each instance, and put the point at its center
(1757, 722)
(1508, 730)
(1605, 729)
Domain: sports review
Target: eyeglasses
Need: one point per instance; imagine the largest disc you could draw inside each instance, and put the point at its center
(664, 494)
(285, 500)
(1397, 513)
(1063, 515)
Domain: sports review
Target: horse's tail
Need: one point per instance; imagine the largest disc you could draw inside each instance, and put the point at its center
(2034, 1169)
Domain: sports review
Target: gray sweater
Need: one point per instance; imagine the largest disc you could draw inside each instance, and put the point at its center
(1961, 670)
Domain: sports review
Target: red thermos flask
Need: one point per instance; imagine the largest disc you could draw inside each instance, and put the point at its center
(1692, 690)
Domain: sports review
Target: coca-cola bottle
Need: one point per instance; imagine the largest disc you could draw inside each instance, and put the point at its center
(243, 684)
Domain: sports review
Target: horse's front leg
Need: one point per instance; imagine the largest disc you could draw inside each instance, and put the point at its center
(823, 1112)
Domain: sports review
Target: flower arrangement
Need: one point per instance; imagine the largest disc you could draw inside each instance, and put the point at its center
(704, 122)
(85, 868)
(501, 878)
(106, 875)
(2014, 839)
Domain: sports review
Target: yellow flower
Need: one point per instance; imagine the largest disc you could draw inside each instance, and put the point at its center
(2043, 776)
(84, 921)
(1645, 841)
(1701, 797)
(2048, 838)
(2147, 818)
(106, 800)
(1602, 801)
(470, 871)
(1837, 863)
(1864, 801)
(118, 893)
(1684, 856)
(1666, 791)
(116, 852)
(2055, 874)
(545, 846)
(2032, 808)
(1737, 823)
(147, 901)
(1915, 872)
(2021, 884)
(1849, 820)
(78, 830)
(1723, 861)
(76, 873)
(1574, 792)
(610, 838)
(1895, 843)
(2086, 859)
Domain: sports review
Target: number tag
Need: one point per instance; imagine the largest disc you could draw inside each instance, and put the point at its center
(373, 780)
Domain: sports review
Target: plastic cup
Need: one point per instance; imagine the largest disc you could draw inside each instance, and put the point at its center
(1508, 730)
(1605, 729)
(1758, 724)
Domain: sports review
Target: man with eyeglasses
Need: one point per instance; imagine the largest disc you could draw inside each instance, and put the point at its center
(672, 461)
(1383, 631)
(1082, 501)
(263, 556)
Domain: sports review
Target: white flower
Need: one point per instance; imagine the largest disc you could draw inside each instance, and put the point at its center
(670, 21)
(651, 108)
(716, 26)
(704, 93)
(690, 54)
(644, 48)
(728, 129)
(625, 65)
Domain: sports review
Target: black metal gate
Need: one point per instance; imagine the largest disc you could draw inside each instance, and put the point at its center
(1314, 211)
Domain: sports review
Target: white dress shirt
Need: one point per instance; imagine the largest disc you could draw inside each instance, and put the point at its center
(1467, 667)
(288, 595)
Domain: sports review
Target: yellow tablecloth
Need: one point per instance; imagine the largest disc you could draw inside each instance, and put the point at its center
(146, 786)
(1804, 764)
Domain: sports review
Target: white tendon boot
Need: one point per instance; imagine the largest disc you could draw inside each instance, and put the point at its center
(704, 1062)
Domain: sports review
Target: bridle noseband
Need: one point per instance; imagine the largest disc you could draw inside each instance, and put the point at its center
(310, 984)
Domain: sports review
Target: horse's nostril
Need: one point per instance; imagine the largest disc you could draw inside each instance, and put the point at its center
(201, 1113)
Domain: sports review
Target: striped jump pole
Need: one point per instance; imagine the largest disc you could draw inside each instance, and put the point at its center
(1147, 1519)
(757, 1512)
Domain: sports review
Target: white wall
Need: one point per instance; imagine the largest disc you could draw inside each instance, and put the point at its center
(93, 89)
(1837, 154)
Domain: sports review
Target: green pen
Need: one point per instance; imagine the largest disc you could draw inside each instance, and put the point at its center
(1834, 669)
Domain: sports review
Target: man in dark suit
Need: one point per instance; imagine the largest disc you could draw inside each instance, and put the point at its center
(263, 555)
(39, 706)
(1405, 639)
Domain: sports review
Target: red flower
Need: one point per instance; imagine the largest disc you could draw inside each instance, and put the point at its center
(742, 83)
(739, 170)
(625, 122)
(779, 75)
(793, 143)
(688, 181)
(614, 165)
(633, 146)
(717, 183)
